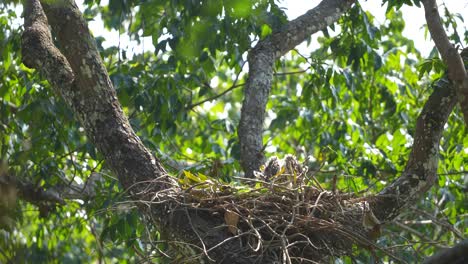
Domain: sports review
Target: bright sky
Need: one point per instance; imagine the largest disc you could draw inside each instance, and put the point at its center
(414, 18)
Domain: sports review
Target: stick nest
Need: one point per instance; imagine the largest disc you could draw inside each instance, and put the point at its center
(284, 210)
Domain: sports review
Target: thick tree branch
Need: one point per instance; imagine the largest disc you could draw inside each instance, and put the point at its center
(78, 74)
(421, 170)
(449, 54)
(314, 20)
(261, 60)
(87, 90)
(455, 255)
(39, 51)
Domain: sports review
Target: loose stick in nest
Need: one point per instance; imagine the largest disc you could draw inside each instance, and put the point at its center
(281, 213)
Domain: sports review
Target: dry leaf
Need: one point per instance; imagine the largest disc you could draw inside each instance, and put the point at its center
(231, 218)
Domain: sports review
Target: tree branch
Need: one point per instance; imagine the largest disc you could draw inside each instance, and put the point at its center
(449, 54)
(44, 199)
(261, 61)
(79, 76)
(456, 254)
(415, 232)
(86, 88)
(10, 106)
(421, 170)
(38, 49)
(314, 20)
(234, 86)
(57, 194)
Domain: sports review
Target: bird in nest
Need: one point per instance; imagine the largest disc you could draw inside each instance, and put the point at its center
(287, 170)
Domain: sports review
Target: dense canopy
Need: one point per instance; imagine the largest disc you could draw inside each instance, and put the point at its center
(212, 137)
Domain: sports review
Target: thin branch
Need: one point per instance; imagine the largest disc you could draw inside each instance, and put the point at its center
(216, 96)
(234, 85)
(11, 107)
(198, 235)
(447, 225)
(414, 232)
(291, 73)
(453, 173)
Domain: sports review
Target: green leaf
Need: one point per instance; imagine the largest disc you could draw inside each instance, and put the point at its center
(266, 31)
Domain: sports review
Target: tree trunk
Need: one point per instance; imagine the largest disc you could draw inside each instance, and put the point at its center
(77, 74)
(261, 61)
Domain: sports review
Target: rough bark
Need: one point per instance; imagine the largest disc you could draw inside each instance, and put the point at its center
(421, 170)
(449, 53)
(76, 72)
(261, 61)
(78, 75)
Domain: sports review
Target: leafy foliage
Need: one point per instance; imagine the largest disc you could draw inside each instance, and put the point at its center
(347, 108)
